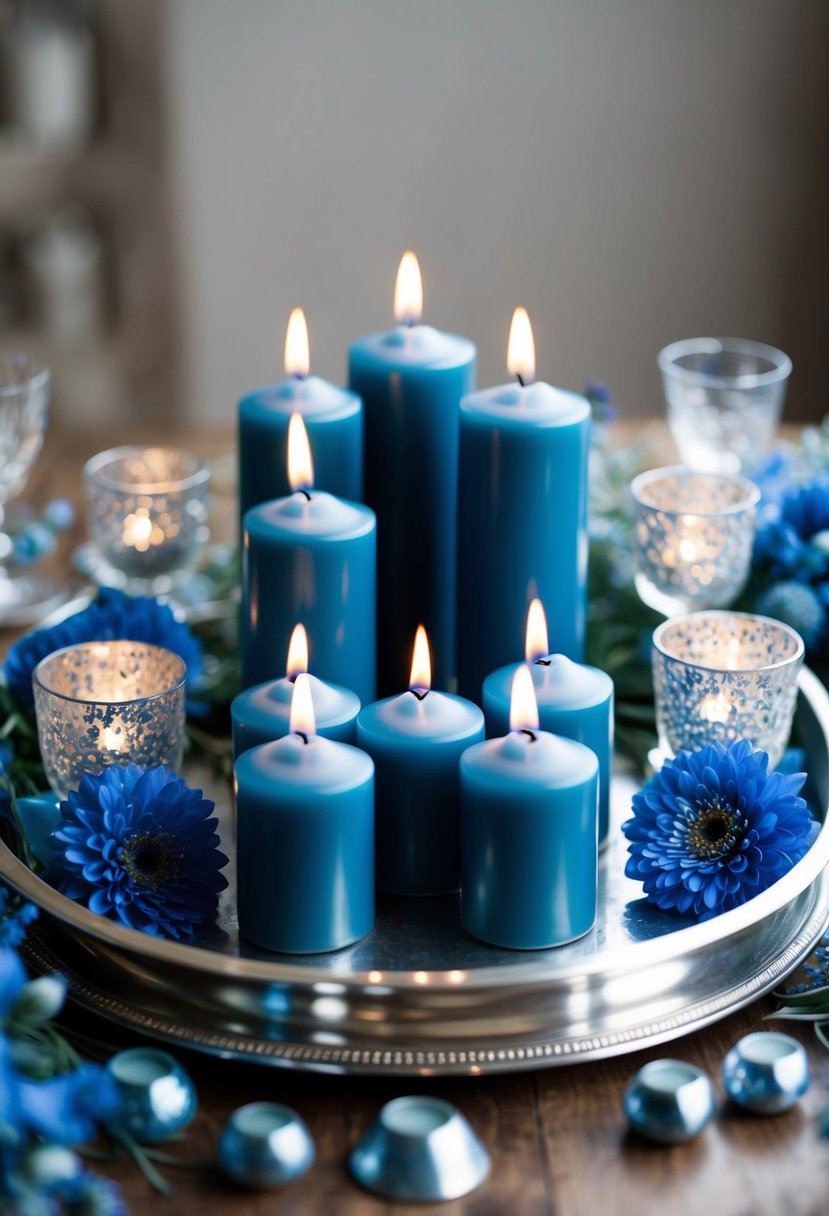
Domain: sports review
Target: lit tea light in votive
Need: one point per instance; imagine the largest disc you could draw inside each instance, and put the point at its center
(715, 709)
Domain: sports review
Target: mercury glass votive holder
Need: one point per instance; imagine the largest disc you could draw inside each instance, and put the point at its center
(694, 535)
(103, 703)
(724, 397)
(147, 510)
(721, 676)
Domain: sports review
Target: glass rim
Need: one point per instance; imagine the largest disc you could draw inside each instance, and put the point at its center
(799, 652)
(38, 374)
(38, 682)
(95, 474)
(751, 492)
(668, 356)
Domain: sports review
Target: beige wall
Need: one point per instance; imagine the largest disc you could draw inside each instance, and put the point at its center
(634, 171)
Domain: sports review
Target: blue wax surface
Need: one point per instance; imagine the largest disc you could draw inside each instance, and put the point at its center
(305, 844)
(411, 381)
(522, 523)
(416, 746)
(311, 563)
(574, 701)
(262, 713)
(529, 836)
(334, 420)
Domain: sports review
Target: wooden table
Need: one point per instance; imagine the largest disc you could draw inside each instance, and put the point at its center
(557, 1137)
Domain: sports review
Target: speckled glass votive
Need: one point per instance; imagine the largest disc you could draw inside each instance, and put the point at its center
(721, 676)
(694, 533)
(148, 509)
(102, 703)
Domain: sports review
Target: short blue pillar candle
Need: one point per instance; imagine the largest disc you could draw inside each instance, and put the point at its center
(310, 558)
(522, 520)
(416, 741)
(305, 843)
(529, 837)
(574, 701)
(333, 416)
(411, 381)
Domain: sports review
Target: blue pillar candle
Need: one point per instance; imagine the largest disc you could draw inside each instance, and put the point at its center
(574, 701)
(333, 416)
(416, 741)
(305, 839)
(262, 713)
(310, 558)
(411, 381)
(522, 518)
(529, 829)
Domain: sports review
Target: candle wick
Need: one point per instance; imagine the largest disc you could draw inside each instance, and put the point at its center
(529, 733)
(410, 322)
(420, 693)
(542, 662)
(307, 495)
(299, 375)
(292, 677)
(520, 379)
(302, 735)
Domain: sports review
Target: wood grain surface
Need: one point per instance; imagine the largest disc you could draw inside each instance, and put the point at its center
(557, 1138)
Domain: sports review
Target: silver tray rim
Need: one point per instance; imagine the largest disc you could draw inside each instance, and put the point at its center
(691, 938)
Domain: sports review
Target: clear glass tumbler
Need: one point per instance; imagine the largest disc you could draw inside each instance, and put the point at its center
(724, 398)
(693, 539)
(103, 703)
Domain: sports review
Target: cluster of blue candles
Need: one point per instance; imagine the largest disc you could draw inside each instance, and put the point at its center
(412, 509)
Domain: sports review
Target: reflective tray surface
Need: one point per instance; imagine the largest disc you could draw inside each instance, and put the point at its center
(419, 996)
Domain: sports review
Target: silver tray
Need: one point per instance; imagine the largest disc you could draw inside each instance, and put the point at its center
(420, 997)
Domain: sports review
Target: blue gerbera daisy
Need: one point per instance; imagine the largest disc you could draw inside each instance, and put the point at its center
(112, 616)
(713, 828)
(137, 845)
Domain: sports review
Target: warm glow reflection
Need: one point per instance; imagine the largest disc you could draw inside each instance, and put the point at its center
(113, 739)
(536, 645)
(521, 347)
(297, 652)
(523, 708)
(300, 464)
(297, 356)
(421, 676)
(302, 707)
(715, 708)
(732, 659)
(408, 290)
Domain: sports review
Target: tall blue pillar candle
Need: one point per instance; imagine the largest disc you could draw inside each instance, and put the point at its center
(333, 416)
(262, 713)
(574, 701)
(310, 558)
(416, 741)
(522, 521)
(529, 829)
(411, 381)
(305, 839)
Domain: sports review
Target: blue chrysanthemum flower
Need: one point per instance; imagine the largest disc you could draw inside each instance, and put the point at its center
(15, 915)
(713, 828)
(113, 616)
(798, 605)
(137, 845)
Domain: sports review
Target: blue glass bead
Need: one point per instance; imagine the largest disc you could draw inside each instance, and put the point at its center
(669, 1101)
(59, 514)
(265, 1144)
(158, 1098)
(420, 1149)
(766, 1072)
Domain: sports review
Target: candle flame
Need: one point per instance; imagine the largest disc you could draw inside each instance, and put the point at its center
(536, 645)
(523, 707)
(421, 676)
(408, 290)
(300, 464)
(302, 719)
(297, 652)
(297, 355)
(521, 347)
(715, 708)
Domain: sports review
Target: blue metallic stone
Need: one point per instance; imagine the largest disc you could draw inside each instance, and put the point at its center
(420, 1148)
(158, 1097)
(669, 1101)
(766, 1072)
(265, 1144)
